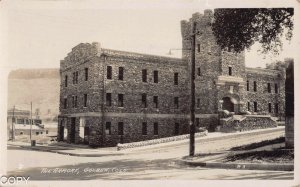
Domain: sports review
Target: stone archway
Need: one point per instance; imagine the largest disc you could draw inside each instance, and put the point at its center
(228, 104)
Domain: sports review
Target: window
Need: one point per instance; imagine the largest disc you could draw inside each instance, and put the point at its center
(199, 71)
(255, 106)
(276, 88)
(175, 78)
(75, 102)
(86, 74)
(144, 128)
(198, 48)
(109, 72)
(37, 133)
(247, 85)
(198, 103)
(85, 100)
(65, 103)
(155, 128)
(254, 86)
(270, 108)
(108, 128)
(269, 87)
(108, 99)
(248, 105)
(176, 130)
(176, 103)
(144, 75)
(230, 71)
(155, 74)
(121, 73)
(144, 100)
(276, 108)
(155, 101)
(120, 100)
(120, 128)
(21, 133)
(74, 77)
(66, 81)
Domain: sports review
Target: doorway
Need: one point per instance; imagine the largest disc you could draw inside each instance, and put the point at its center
(228, 104)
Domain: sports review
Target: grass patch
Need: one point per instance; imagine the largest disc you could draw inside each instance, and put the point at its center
(258, 144)
(274, 156)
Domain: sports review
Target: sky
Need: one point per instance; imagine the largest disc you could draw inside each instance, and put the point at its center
(39, 34)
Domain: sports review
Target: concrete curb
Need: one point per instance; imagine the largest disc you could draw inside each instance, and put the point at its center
(72, 154)
(242, 166)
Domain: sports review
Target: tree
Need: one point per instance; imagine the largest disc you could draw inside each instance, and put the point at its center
(238, 29)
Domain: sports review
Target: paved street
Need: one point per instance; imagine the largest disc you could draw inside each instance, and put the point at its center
(151, 163)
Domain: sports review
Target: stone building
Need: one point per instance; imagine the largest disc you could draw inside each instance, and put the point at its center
(109, 96)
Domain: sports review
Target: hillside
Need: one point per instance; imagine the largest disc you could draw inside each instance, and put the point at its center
(39, 86)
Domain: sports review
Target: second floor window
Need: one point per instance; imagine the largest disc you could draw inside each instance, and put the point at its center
(176, 102)
(65, 103)
(120, 100)
(86, 74)
(269, 87)
(155, 101)
(175, 78)
(276, 88)
(144, 100)
(270, 107)
(121, 73)
(66, 81)
(254, 86)
(155, 74)
(85, 97)
(144, 75)
(230, 71)
(108, 99)
(109, 72)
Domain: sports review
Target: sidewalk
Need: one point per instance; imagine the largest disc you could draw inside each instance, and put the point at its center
(85, 151)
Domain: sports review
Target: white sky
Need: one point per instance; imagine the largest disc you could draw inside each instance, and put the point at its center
(39, 34)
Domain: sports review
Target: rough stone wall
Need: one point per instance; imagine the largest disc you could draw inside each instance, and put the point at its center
(261, 96)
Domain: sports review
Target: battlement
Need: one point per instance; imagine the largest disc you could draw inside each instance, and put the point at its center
(202, 21)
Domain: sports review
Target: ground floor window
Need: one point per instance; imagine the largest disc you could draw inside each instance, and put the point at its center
(144, 128)
(108, 128)
(120, 128)
(155, 128)
(255, 106)
(176, 130)
(270, 107)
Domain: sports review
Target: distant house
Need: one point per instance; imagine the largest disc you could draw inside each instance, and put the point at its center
(21, 120)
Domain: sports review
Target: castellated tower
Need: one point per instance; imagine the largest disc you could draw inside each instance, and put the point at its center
(220, 75)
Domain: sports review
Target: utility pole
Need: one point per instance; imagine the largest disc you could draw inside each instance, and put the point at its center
(31, 121)
(192, 110)
(13, 125)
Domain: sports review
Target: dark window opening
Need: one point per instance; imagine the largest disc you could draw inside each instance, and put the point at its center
(108, 99)
(144, 100)
(197, 122)
(276, 88)
(120, 128)
(248, 105)
(198, 103)
(155, 128)
(74, 75)
(144, 128)
(230, 71)
(199, 71)
(120, 100)
(85, 100)
(255, 106)
(276, 108)
(176, 130)
(144, 75)
(121, 73)
(65, 103)
(109, 72)
(73, 101)
(198, 48)
(270, 107)
(254, 86)
(76, 103)
(108, 128)
(175, 78)
(247, 85)
(155, 101)
(269, 87)
(176, 102)
(66, 81)
(86, 74)
(155, 74)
